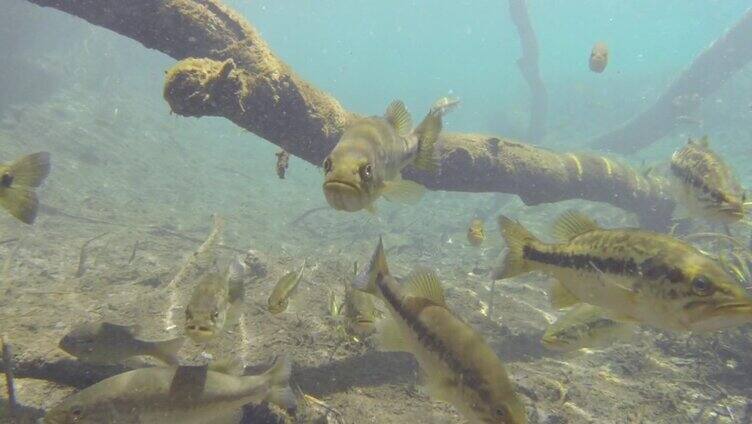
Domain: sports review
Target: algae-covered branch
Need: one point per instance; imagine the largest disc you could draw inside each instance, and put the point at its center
(226, 69)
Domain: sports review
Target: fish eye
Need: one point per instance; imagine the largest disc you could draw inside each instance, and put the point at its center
(215, 315)
(328, 165)
(499, 412)
(702, 286)
(76, 414)
(366, 172)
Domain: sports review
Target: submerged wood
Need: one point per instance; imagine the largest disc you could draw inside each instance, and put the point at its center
(226, 69)
(709, 70)
(528, 65)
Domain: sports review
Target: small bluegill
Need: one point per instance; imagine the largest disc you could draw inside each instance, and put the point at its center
(360, 311)
(17, 182)
(107, 343)
(283, 290)
(459, 366)
(704, 184)
(367, 161)
(634, 275)
(585, 326)
(476, 233)
(186, 395)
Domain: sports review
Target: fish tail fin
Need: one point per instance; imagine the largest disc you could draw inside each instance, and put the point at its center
(366, 280)
(30, 170)
(280, 392)
(167, 350)
(21, 202)
(511, 261)
(428, 133)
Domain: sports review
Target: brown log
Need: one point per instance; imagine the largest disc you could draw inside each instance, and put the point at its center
(528, 65)
(227, 70)
(710, 69)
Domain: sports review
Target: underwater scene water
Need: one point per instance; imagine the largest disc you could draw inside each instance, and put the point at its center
(205, 218)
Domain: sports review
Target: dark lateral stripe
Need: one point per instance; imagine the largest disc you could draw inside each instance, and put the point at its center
(689, 178)
(650, 268)
(469, 376)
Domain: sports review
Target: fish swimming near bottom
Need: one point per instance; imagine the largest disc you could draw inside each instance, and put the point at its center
(185, 395)
(107, 343)
(17, 182)
(283, 290)
(634, 275)
(585, 326)
(359, 311)
(459, 366)
(215, 303)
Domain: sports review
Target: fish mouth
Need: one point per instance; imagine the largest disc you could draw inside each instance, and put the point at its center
(200, 334)
(344, 196)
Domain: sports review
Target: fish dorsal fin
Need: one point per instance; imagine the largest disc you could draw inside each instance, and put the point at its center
(399, 117)
(110, 328)
(424, 283)
(561, 297)
(571, 224)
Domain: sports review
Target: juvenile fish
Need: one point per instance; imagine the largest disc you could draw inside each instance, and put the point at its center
(458, 364)
(284, 289)
(359, 311)
(585, 326)
(214, 303)
(634, 275)
(598, 57)
(704, 184)
(186, 395)
(476, 232)
(17, 182)
(367, 161)
(107, 343)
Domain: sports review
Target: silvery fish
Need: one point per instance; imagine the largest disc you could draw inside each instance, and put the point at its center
(107, 343)
(185, 395)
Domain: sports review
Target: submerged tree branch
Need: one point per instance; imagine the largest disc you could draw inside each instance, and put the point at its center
(227, 70)
(528, 65)
(710, 69)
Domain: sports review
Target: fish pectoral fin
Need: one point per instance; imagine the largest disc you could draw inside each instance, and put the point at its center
(389, 336)
(561, 297)
(403, 191)
(399, 117)
(571, 224)
(424, 283)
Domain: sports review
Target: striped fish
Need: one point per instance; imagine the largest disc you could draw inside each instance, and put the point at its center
(459, 366)
(367, 161)
(704, 184)
(634, 275)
